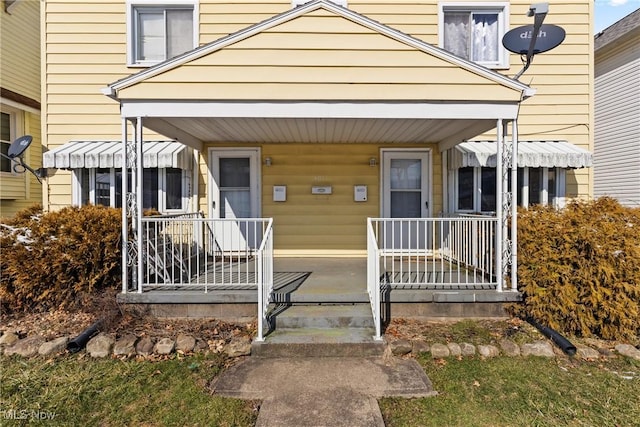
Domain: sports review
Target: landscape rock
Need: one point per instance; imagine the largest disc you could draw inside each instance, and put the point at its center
(125, 346)
(488, 351)
(100, 346)
(185, 343)
(420, 346)
(201, 345)
(239, 346)
(538, 348)
(467, 349)
(628, 351)
(587, 353)
(56, 346)
(604, 351)
(438, 351)
(8, 338)
(144, 347)
(26, 347)
(400, 347)
(454, 349)
(164, 346)
(509, 348)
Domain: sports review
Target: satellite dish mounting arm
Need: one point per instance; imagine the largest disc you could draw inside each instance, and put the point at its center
(539, 12)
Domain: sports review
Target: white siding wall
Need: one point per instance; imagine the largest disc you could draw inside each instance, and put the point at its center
(617, 122)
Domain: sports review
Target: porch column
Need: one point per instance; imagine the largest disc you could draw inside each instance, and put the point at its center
(130, 249)
(514, 205)
(137, 186)
(125, 209)
(499, 208)
(508, 167)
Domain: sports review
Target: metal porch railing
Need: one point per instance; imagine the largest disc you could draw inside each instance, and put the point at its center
(182, 252)
(436, 253)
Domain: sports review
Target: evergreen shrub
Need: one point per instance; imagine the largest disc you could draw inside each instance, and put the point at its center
(579, 268)
(58, 259)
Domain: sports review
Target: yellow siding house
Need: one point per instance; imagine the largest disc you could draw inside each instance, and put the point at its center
(319, 115)
(19, 101)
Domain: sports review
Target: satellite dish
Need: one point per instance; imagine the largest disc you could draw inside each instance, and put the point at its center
(19, 146)
(15, 152)
(518, 40)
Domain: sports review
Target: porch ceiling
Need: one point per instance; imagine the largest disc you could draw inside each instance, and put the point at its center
(194, 130)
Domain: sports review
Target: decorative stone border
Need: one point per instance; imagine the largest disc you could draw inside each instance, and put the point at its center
(106, 345)
(505, 347)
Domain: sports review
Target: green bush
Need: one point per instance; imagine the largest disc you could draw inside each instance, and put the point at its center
(59, 259)
(579, 268)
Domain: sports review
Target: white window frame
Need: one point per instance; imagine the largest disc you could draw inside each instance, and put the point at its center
(558, 201)
(77, 189)
(501, 8)
(16, 126)
(131, 22)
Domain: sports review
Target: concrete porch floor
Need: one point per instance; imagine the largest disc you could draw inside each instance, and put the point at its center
(337, 280)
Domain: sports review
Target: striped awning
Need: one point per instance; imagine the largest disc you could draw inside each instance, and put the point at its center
(533, 154)
(108, 154)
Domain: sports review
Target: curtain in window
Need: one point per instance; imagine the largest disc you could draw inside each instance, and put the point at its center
(405, 182)
(485, 37)
(456, 33)
(150, 35)
(235, 190)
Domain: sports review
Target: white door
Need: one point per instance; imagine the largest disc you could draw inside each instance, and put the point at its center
(234, 194)
(406, 195)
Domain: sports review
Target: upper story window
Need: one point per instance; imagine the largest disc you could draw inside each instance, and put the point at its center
(160, 32)
(474, 31)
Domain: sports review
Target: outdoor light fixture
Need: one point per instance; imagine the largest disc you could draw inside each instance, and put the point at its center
(373, 162)
(267, 161)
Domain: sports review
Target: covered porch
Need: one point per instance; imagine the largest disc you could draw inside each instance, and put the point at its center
(403, 100)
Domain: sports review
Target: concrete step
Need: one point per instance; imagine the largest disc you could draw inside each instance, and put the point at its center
(325, 316)
(314, 296)
(319, 342)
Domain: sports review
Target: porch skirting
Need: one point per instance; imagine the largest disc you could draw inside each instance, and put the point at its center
(241, 306)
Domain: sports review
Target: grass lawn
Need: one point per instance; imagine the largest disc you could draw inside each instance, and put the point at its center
(519, 391)
(80, 391)
(523, 392)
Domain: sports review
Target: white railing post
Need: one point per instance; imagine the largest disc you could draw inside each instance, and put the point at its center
(373, 276)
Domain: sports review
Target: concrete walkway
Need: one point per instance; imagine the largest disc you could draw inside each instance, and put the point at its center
(322, 392)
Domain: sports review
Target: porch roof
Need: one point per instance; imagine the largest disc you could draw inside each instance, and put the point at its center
(319, 73)
(533, 154)
(108, 154)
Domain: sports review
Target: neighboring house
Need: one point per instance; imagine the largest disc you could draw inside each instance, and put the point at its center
(319, 115)
(19, 101)
(617, 111)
